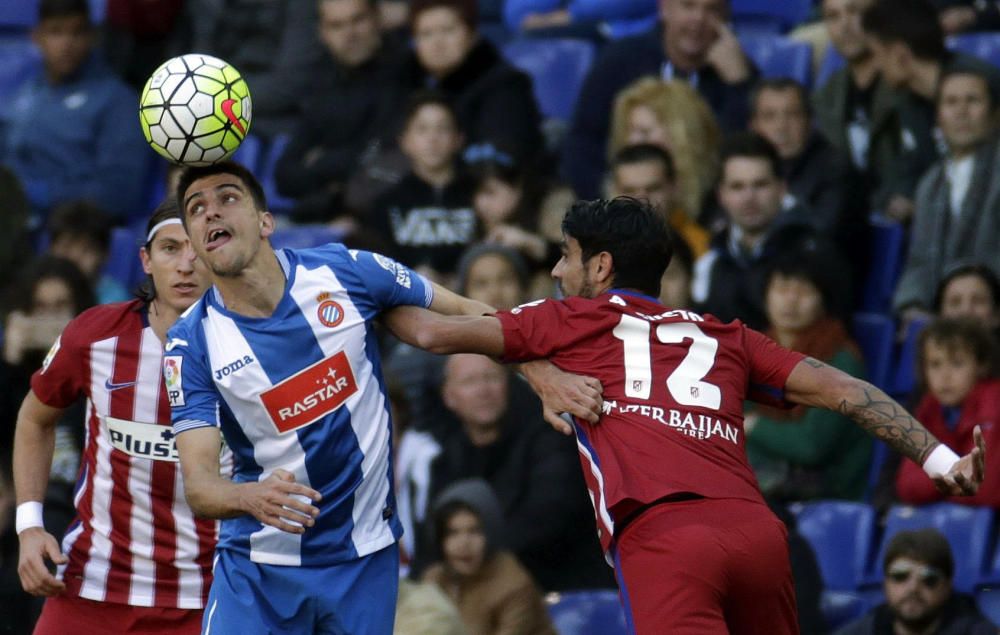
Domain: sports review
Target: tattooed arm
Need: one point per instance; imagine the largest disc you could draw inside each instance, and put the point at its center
(813, 383)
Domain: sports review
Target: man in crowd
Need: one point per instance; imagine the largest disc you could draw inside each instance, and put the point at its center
(729, 279)
(818, 177)
(957, 219)
(347, 112)
(532, 469)
(692, 43)
(64, 135)
(908, 47)
(919, 596)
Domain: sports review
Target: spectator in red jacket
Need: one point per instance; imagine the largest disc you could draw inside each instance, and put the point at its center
(954, 367)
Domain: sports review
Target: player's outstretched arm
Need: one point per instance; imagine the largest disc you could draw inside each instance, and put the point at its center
(277, 500)
(447, 302)
(34, 442)
(813, 383)
(559, 391)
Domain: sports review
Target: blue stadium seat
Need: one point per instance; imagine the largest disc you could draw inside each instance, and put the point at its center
(777, 56)
(904, 376)
(18, 14)
(988, 601)
(875, 333)
(277, 203)
(885, 263)
(880, 454)
(968, 530)
(587, 613)
(985, 46)
(557, 68)
(250, 154)
(832, 62)
(19, 61)
(784, 14)
(840, 533)
(842, 607)
(303, 236)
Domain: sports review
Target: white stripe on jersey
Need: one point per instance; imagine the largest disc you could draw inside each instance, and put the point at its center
(601, 503)
(268, 545)
(367, 406)
(95, 571)
(144, 408)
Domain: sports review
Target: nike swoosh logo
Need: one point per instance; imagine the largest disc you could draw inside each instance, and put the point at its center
(109, 386)
(227, 110)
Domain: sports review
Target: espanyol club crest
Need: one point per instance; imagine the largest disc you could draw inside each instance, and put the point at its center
(330, 313)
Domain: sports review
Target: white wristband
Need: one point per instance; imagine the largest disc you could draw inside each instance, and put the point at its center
(29, 515)
(940, 461)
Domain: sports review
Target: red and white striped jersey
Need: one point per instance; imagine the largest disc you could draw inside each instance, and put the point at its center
(134, 540)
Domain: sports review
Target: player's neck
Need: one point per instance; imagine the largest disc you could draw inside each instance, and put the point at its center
(161, 317)
(255, 291)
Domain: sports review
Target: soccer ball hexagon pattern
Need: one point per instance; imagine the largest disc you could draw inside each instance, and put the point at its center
(195, 109)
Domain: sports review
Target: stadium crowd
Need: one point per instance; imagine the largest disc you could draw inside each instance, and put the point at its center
(828, 168)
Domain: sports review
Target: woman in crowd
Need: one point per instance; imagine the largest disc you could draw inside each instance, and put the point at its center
(673, 116)
(806, 453)
(495, 594)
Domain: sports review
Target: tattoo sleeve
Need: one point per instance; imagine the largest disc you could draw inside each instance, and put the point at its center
(886, 420)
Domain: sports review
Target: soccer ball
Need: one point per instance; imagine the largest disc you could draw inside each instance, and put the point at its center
(195, 109)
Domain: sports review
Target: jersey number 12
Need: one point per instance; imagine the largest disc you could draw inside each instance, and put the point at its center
(685, 383)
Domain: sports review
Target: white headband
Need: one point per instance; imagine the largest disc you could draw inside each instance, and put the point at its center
(160, 225)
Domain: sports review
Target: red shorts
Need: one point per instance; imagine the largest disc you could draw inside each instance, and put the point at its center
(707, 566)
(61, 615)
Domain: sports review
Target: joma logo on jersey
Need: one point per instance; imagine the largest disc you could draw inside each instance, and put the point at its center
(310, 394)
(232, 367)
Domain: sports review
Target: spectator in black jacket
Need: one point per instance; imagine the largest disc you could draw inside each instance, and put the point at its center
(428, 217)
(350, 109)
(692, 42)
(533, 470)
(729, 280)
(495, 102)
(818, 176)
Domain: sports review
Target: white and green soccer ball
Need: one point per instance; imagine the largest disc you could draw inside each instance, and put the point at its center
(195, 109)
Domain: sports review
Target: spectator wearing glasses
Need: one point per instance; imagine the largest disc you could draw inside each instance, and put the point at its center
(919, 596)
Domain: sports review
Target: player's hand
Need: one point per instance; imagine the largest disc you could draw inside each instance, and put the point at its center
(37, 547)
(965, 476)
(560, 392)
(726, 56)
(277, 501)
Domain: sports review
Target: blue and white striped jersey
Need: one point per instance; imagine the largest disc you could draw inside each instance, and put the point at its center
(303, 391)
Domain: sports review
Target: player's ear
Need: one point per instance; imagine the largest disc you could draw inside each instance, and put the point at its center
(266, 224)
(144, 258)
(604, 267)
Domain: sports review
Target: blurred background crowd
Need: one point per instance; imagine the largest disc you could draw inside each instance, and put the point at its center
(830, 168)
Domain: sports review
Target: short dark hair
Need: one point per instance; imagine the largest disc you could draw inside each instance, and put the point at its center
(964, 69)
(190, 174)
(984, 273)
(427, 97)
(780, 84)
(48, 9)
(643, 153)
(168, 208)
(631, 231)
(81, 219)
(820, 264)
(912, 22)
(753, 146)
(956, 334)
(467, 10)
(923, 545)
